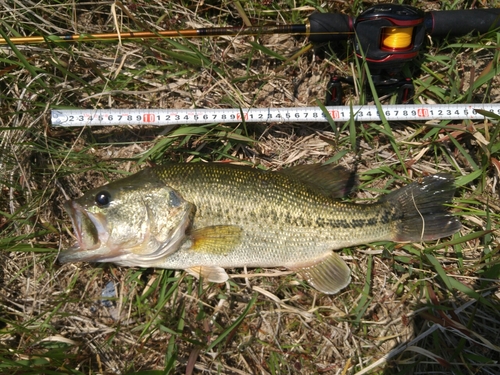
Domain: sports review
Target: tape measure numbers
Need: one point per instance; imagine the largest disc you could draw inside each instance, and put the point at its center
(166, 117)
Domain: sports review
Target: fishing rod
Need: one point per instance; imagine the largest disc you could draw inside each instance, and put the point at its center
(183, 33)
(386, 36)
(400, 24)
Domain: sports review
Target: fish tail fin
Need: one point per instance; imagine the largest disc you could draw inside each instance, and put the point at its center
(421, 209)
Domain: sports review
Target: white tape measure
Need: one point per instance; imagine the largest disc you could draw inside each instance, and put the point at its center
(165, 117)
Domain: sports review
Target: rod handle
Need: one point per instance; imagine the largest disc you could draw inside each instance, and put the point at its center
(461, 22)
(328, 27)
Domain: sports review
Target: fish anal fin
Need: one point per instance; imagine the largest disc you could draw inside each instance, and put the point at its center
(209, 273)
(329, 275)
(331, 180)
(217, 239)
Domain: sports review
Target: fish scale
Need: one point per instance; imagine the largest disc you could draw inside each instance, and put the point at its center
(284, 206)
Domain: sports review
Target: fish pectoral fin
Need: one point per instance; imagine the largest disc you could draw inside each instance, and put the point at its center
(329, 276)
(210, 273)
(217, 239)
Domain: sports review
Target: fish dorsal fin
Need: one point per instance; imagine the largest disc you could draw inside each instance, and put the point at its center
(330, 180)
(217, 239)
(210, 273)
(328, 276)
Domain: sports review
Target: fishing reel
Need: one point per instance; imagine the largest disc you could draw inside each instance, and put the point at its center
(386, 37)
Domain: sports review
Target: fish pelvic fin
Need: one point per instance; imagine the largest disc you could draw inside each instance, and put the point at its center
(422, 215)
(329, 276)
(209, 273)
(217, 239)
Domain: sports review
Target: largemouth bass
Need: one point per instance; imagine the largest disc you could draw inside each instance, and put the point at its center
(204, 218)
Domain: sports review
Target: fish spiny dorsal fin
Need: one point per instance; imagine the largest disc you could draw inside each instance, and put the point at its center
(331, 180)
(328, 276)
(217, 239)
(209, 273)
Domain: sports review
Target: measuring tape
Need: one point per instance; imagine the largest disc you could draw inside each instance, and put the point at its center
(166, 117)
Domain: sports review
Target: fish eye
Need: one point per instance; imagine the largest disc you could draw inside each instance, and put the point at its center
(103, 198)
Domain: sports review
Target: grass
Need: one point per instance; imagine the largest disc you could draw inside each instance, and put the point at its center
(411, 308)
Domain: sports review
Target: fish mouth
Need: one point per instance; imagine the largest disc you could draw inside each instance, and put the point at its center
(90, 232)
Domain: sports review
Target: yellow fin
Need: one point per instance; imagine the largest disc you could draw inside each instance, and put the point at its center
(209, 273)
(328, 276)
(217, 239)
